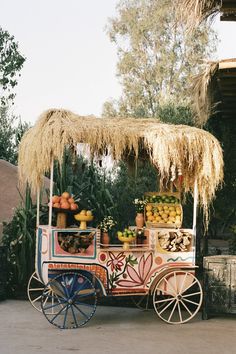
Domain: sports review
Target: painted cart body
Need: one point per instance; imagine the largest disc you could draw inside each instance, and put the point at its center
(118, 271)
(142, 271)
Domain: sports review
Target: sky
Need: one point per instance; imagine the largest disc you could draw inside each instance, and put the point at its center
(70, 61)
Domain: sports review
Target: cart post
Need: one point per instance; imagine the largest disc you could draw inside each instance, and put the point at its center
(51, 190)
(195, 205)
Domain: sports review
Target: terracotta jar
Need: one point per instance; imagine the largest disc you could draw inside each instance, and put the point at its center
(105, 239)
(139, 220)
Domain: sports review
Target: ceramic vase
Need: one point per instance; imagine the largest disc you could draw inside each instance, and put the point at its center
(139, 220)
(105, 239)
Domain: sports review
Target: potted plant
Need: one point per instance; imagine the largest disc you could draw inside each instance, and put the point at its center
(139, 208)
(105, 226)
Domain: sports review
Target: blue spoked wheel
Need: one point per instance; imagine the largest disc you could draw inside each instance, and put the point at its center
(72, 302)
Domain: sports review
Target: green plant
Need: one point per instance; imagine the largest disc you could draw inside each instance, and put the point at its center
(19, 238)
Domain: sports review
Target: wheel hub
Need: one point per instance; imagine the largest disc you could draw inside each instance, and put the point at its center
(179, 297)
(70, 301)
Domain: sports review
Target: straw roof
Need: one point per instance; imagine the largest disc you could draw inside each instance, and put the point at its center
(203, 85)
(196, 152)
(214, 90)
(194, 12)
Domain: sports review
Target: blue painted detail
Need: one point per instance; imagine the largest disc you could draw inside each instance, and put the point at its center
(179, 259)
(71, 256)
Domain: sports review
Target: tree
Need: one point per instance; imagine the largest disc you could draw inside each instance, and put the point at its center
(11, 62)
(156, 57)
(11, 132)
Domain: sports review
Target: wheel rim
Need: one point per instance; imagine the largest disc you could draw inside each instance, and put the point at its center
(72, 302)
(177, 297)
(141, 301)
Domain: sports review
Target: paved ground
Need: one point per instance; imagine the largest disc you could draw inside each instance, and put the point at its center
(112, 330)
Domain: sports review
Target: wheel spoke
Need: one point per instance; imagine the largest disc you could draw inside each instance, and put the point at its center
(168, 283)
(167, 306)
(60, 300)
(180, 314)
(82, 312)
(172, 311)
(65, 286)
(186, 308)
(57, 314)
(74, 317)
(45, 300)
(73, 283)
(176, 285)
(164, 300)
(83, 304)
(51, 306)
(65, 317)
(36, 278)
(195, 281)
(37, 298)
(87, 294)
(165, 291)
(60, 290)
(183, 282)
(191, 302)
(192, 294)
(36, 289)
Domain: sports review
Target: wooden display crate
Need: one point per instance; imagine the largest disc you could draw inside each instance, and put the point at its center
(161, 203)
(156, 224)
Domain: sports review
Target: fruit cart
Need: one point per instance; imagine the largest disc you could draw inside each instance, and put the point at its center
(68, 280)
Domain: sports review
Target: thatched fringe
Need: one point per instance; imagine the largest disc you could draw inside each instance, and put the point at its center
(196, 152)
(203, 93)
(194, 12)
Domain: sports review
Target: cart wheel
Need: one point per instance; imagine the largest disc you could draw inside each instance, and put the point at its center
(177, 297)
(34, 291)
(141, 301)
(72, 302)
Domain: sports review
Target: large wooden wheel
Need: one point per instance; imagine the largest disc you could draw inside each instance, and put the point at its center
(177, 297)
(72, 302)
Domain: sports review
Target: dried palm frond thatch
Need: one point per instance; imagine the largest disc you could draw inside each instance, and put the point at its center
(203, 93)
(193, 12)
(196, 152)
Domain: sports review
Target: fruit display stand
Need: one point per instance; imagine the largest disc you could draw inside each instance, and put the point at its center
(163, 210)
(71, 264)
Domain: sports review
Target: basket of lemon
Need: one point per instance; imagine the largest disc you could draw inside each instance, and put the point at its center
(163, 210)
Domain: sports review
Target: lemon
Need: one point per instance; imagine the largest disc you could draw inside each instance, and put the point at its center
(172, 213)
(164, 216)
(148, 207)
(148, 213)
(150, 218)
(178, 211)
